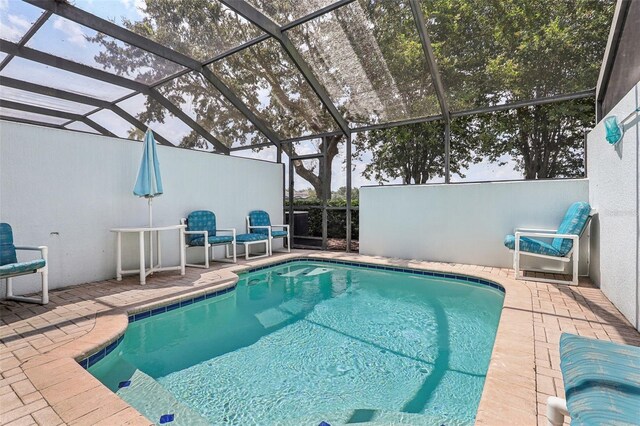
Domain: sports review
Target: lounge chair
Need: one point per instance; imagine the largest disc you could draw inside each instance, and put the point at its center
(601, 383)
(258, 222)
(564, 246)
(10, 267)
(203, 233)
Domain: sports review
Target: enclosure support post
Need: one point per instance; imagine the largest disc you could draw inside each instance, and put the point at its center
(348, 219)
(447, 151)
(325, 192)
(292, 228)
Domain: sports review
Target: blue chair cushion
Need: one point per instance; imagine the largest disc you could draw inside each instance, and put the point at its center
(573, 223)
(20, 268)
(601, 381)
(531, 245)
(259, 218)
(7, 249)
(278, 234)
(200, 220)
(216, 239)
(245, 238)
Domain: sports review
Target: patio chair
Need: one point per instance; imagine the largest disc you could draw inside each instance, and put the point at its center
(202, 233)
(564, 246)
(258, 222)
(601, 383)
(11, 268)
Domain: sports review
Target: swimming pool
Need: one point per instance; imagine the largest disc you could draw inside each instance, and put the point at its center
(307, 341)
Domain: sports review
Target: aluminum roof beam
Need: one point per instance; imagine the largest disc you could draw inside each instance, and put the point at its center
(418, 17)
(84, 70)
(27, 36)
(109, 28)
(263, 22)
(54, 113)
(219, 146)
(484, 110)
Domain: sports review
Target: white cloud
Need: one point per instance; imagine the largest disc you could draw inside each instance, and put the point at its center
(73, 31)
(14, 28)
(138, 5)
(4, 4)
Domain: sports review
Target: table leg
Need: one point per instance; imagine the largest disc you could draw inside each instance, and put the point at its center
(159, 263)
(151, 251)
(142, 263)
(119, 257)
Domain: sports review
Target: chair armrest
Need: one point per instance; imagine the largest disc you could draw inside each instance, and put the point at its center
(535, 230)
(232, 230)
(281, 226)
(33, 248)
(196, 232)
(44, 250)
(546, 235)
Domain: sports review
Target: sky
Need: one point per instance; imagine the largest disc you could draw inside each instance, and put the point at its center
(67, 39)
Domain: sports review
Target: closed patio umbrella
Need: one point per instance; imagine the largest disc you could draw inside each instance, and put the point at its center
(149, 183)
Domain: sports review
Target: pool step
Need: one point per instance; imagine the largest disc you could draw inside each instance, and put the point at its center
(317, 271)
(153, 401)
(295, 272)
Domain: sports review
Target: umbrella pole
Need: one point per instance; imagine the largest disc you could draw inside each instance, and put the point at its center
(150, 201)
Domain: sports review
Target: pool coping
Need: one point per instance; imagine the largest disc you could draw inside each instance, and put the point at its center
(510, 386)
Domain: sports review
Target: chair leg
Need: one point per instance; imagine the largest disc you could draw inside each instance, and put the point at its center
(516, 264)
(206, 255)
(575, 259)
(45, 285)
(45, 290)
(288, 242)
(9, 288)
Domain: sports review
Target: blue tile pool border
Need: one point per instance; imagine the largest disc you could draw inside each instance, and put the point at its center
(415, 271)
(103, 352)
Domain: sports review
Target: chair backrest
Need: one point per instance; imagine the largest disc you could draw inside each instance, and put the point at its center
(573, 223)
(201, 220)
(259, 218)
(7, 249)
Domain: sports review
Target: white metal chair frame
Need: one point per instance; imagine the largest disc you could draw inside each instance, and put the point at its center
(556, 411)
(270, 238)
(44, 272)
(208, 247)
(572, 256)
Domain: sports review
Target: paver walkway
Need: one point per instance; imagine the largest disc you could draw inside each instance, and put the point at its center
(31, 334)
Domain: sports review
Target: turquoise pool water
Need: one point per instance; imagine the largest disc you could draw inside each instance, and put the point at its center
(307, 342)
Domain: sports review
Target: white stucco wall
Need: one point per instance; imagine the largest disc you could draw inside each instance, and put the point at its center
(614, 186)
(461, 223)
(66, 190)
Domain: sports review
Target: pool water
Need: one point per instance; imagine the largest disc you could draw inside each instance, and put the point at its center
(309, 342)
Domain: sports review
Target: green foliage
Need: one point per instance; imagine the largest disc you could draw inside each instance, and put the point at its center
(546, 141)
(336, 219)
(372, 64)
(415, 153)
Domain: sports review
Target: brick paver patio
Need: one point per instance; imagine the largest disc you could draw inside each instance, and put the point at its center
(42, 384)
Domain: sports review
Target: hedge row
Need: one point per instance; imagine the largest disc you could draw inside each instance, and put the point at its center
(336, 219)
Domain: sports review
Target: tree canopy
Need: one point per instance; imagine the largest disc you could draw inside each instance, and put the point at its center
(368, 57)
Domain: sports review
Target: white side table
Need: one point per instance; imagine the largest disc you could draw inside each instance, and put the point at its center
(143, 270)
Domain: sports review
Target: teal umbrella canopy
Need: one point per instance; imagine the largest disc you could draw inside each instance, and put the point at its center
(149, 182)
